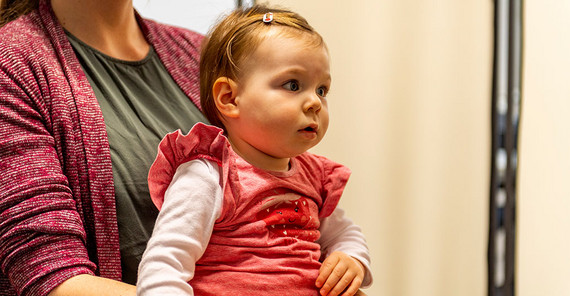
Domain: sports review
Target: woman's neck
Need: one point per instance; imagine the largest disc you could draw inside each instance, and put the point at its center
(109, 26)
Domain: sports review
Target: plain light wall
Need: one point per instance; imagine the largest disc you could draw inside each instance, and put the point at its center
(543, 208)
(410, 115)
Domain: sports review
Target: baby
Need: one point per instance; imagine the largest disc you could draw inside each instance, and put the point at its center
(244, 208)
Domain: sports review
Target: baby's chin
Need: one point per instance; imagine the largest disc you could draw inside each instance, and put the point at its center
(305, 149)
(290, 152)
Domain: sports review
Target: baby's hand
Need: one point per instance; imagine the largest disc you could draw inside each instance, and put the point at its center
(340, 273)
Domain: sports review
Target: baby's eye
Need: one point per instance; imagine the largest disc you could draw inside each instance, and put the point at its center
(291, 85)
(322, 91)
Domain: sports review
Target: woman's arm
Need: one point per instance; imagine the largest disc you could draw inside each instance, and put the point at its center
(88, 285)
(42, 237)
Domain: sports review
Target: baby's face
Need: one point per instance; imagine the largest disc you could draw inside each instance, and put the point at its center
(282, 96)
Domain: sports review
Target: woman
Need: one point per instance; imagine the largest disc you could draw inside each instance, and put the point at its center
(86, 92)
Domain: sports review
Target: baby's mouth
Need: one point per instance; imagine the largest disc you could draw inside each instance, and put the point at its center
(311, 128)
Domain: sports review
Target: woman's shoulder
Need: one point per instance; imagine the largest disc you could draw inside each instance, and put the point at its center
(25, 45)
(24, 33)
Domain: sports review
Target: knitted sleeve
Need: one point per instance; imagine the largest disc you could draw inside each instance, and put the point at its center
(42, 239)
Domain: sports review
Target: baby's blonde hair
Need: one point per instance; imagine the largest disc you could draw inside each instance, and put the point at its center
(234, 39)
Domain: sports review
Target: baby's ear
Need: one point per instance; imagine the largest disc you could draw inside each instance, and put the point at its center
(225, 92)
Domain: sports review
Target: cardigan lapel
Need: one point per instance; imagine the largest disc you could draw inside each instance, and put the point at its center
(95, 196)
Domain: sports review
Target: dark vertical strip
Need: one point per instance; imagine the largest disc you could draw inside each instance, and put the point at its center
(495, 252)
(513, 115)
(241, 3)
(506, 98)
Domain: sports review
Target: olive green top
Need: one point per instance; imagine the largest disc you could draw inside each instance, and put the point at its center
(141, 103)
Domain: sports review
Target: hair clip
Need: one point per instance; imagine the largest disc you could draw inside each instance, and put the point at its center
(268, 17)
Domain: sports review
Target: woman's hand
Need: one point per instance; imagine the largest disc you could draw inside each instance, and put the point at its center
(340, 274)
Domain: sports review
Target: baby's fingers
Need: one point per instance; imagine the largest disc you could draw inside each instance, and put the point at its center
(326, 270)
(354, 288)
(338, 280)
(349, 283)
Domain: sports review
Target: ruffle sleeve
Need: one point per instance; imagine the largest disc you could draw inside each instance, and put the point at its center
(203, 141)
(335, 178)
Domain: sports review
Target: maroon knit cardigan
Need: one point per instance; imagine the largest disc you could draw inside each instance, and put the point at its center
(57, 202)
